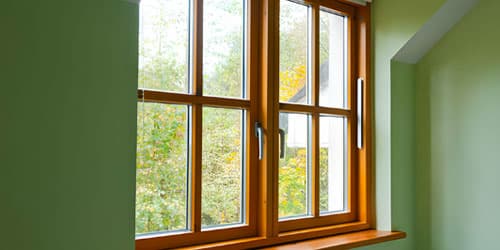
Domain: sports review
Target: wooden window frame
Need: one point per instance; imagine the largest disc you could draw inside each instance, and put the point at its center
(263, 227)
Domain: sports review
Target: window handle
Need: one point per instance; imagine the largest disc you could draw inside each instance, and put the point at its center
(360, 112)
(282, 143)
(259, 133)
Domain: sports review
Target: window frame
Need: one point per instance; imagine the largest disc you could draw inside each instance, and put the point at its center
(263, 227)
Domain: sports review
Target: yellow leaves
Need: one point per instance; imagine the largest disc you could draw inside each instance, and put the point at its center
(233, 157)
(292, 182)
(291, 81)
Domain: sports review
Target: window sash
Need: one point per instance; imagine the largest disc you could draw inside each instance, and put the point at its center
(315, 110)
(196, 99)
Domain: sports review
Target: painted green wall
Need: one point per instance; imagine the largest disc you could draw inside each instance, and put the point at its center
(458, 90)
(67, 144)
(394, 22)
(403, 152)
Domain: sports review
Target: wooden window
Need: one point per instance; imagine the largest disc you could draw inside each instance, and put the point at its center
(248, 122)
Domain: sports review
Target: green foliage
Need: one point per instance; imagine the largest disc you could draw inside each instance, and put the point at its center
(221, 166)
(323, 179)
(292, 183)
(161, 168)
(293, 49)
(163, 57)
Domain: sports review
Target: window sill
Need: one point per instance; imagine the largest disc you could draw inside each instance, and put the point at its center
(340, 241)
(343, 241)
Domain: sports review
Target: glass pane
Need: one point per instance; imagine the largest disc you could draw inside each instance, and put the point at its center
(222, 175)
(162, 179)
(333, 59)
(294, 168)
(294, 86)
(223, 47)
(333, 164)
(163, 45)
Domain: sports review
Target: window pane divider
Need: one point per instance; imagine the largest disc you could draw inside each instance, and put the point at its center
(179, 98)
(291, 107)
(315, 65)
(196, 147)
(197, 114)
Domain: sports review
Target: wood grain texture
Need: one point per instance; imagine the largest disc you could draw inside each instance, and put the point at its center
(179, 98)
(301, 108)
(343, 241)
(268, 116)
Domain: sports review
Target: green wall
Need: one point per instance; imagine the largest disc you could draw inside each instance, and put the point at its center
(458, 90)
(67, 104)
(394, 22)
(402, 156)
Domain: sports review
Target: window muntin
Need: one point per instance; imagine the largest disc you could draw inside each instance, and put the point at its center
(199, 98)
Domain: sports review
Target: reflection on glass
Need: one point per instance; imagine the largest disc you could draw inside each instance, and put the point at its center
(333, 162)
(293, 56)
(161, 191)
(222, 175)
(223, 47)
(332, 60)
(294, 168)
(163, 45)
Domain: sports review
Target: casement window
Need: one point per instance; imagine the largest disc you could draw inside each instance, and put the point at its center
(253, 122)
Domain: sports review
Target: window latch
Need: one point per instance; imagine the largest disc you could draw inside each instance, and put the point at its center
(282, 143)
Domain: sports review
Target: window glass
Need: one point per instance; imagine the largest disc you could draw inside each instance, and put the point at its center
(333, 60)
(294, 66)
(222, 175)
(162, 168)
(163, 45)
(223, 52)
(332, 164)
(294, 168)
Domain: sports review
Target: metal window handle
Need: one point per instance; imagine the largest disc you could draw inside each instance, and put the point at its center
(360, 113)
(259, 133)
(282, 143)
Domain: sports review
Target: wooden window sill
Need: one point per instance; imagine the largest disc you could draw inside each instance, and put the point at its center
(339, 241)
(343, 241)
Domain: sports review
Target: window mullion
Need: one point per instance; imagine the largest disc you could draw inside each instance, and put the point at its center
(252, 62)
(315, 75)
(268, 110)
(196, 57)
(196, 147)
(315, 165)
(197, 47)
(314, 52)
